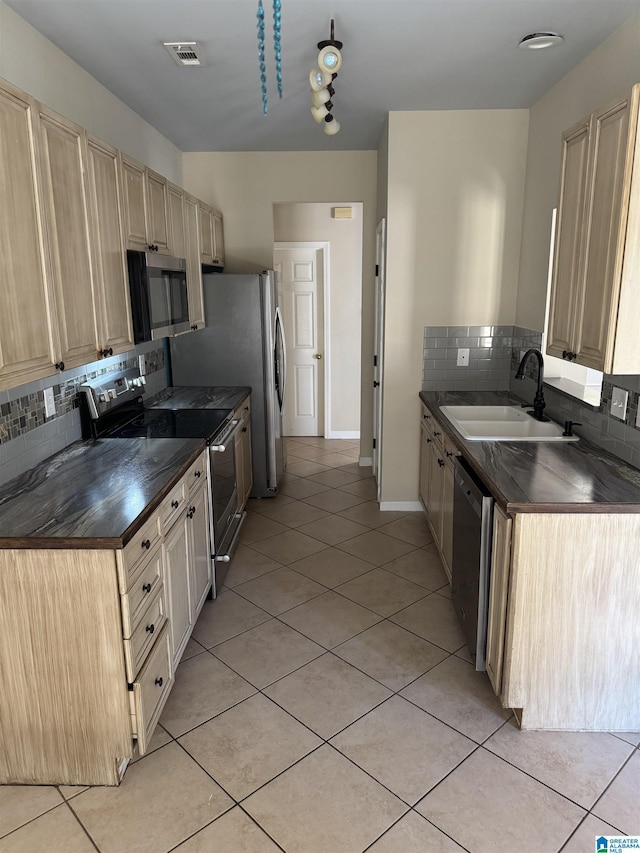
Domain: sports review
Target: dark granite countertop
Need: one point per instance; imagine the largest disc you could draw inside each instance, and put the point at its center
(541, 476)
(197, 397)
(93, 494)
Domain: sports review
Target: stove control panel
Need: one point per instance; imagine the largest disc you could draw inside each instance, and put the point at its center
(110, 390)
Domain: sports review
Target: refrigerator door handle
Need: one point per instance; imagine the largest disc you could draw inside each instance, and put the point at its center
(280, 368)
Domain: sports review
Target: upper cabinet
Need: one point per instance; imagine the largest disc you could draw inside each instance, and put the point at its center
(145, 207)
(28, 339)
(211, 236)
(194, 265)
(595, 297)
(177, 228)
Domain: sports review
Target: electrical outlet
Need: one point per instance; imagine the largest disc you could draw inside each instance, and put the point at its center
(49, 403)
(463, 358)
(638, 419)
(619, 399)
(141, 365)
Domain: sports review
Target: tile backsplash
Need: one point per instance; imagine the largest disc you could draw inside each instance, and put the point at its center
(494, 359)
(27, 436)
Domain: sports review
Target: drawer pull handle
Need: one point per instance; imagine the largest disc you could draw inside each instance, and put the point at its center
(449, 453)
(437, 433)
(175, 504)
(146, 543)
(191, 512)
(159, 682)
(197, 474)
(150, 628)
(146, 587)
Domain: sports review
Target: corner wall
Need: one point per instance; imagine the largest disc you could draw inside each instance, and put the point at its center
(455, 194)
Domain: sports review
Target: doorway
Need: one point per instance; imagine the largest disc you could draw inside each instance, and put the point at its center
(378, 350)
(301, 270)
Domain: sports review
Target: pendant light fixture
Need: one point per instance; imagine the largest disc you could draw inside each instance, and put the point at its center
(321, 79)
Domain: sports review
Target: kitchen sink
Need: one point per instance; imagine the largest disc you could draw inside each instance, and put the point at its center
(502, 423)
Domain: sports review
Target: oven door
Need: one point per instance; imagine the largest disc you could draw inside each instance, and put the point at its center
(224, 494)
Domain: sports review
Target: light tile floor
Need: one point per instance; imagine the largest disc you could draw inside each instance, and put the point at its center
(326, 704)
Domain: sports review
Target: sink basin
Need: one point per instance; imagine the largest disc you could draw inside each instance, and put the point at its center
(502, 423)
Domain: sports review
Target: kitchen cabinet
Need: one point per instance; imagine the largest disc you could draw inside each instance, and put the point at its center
(65, 193)
(194, 263)
(87, 649)
(28, 336)
(498, 596)
(244, 473)
(177, 228)
(111, 280)
(145, 207)
(211, 236)
(594, 296)
(187, 555)
(437, 453)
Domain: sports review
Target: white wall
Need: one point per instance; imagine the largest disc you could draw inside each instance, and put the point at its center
(454, 207)
(246, 185)
(32, 63)
(313, 222)
(611, 69)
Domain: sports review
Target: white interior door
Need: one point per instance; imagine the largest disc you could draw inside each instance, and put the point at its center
(301, 301)
(378, 350)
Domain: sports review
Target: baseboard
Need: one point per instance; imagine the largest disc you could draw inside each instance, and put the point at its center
(353, 434)
(401, 506)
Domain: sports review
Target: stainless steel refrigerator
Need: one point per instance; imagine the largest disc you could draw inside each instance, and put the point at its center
(242, 344)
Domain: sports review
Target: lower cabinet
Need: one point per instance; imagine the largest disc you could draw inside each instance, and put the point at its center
(91, 639)
(436, 484)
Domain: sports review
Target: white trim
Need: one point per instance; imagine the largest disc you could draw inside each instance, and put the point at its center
(345, 433)
(365, 461)
(324, 246)
(401, 506)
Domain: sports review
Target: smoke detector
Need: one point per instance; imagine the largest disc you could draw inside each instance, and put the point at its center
(186, 53)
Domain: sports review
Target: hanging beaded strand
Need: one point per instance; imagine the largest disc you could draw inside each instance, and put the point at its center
(263, 67)
(277, 25)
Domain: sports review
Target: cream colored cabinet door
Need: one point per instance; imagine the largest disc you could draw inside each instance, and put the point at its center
(194, 262)
(434, 503)
(199, 550)
(67, 206)
(568, 265)
(134, 204)
(28, 343)
(177, 584)
(218, 238)
(205, 217)
(177, 231)
(108, 256)
(498, 597)
(599, 307)
(425, 466)
(157, 211)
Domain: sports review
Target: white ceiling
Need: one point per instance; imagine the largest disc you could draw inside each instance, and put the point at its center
(397, 55)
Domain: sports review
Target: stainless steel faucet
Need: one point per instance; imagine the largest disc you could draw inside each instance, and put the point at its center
(538, 400)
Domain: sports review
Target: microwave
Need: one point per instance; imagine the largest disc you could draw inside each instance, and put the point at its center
(158, 290)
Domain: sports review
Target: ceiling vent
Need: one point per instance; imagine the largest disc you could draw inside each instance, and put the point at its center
(185, 52)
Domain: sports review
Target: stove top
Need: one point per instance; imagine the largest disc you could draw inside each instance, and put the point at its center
(167, 423)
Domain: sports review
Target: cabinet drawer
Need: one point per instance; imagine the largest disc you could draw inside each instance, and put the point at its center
(144, 635)
(151, 689)
(145, 585)
(138, 549)
(172, 505)
(196, 474)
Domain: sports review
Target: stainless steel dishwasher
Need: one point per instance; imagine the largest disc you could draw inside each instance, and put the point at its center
(471, 562)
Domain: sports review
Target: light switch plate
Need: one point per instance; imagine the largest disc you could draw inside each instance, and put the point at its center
(619, 399)
(463, 357)
(49, 403)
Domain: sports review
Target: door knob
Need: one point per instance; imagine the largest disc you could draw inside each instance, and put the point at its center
(318, 355)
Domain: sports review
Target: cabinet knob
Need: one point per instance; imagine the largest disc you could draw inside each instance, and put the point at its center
(568, 355)
(146, 587)
(175, 504)
(192, 512)
(146, 543)
(244, 429)
(159, 682)
(449, 453)
(435, 432)
(197, 474)
(59, 365)
(150, 628)
(194, 327)
(440, 463)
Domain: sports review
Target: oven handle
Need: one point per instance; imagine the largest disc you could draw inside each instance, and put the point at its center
(226, 558)
(229, 433)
